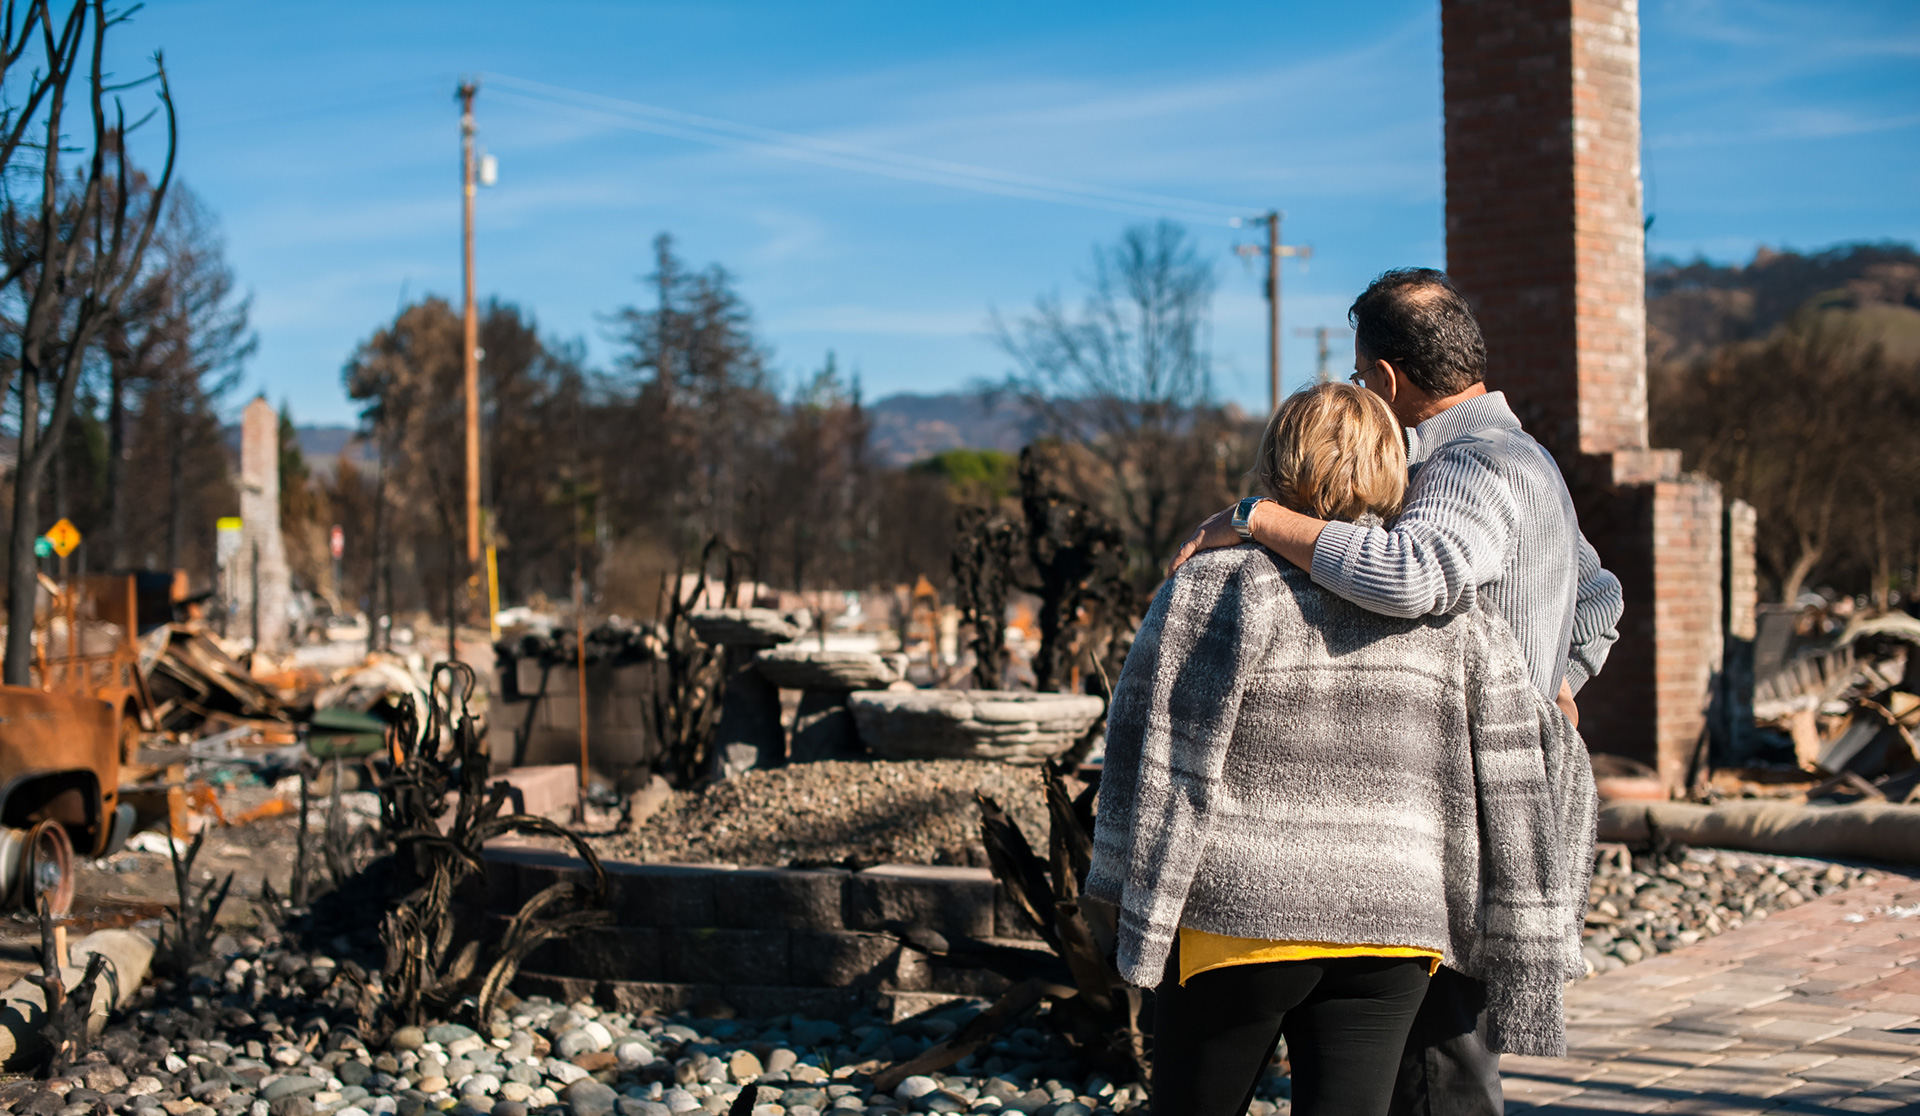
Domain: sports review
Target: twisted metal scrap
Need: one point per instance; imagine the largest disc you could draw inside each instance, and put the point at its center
(421, 974)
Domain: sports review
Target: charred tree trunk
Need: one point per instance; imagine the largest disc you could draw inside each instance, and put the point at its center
(116, 470)
(176, 480)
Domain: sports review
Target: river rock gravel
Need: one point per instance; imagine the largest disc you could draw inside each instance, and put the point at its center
(1648, 903)
(262, 1030)
(838, 813)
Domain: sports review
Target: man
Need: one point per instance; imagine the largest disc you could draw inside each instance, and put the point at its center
(1487, 520)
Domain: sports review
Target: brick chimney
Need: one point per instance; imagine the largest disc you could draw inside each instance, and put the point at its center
(1544, 237)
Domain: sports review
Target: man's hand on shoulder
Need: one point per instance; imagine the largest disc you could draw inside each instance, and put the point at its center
(1565, 701)
(1216, 531)
(1287, 533)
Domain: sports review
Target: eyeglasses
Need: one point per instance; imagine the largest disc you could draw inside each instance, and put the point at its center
(1358, 379)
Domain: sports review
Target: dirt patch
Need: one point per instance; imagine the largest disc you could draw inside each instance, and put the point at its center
(838, 813)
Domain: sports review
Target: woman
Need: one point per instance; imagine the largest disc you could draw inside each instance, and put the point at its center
(1308, 807)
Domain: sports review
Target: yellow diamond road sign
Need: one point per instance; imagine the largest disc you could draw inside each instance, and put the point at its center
(64, 536)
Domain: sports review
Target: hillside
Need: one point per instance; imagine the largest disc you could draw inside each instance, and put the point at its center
(909, 428)
(1693, 307)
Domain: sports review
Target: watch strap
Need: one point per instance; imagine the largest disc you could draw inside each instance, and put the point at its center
(1242, 514)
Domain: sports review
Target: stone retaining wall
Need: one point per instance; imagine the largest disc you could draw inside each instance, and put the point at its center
(758, 941)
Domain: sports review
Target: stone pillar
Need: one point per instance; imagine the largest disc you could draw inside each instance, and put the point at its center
(1544, 237)
(749, 734)
(261, 564)
(823, 727)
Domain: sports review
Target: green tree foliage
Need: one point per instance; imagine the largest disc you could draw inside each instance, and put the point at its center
(973, 476)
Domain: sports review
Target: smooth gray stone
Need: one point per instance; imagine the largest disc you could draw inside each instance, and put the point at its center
(749, 719)
(588, 1097)
(292, 1085)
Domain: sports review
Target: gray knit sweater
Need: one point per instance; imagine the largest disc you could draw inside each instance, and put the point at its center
(1283, 764)
(1489, 523)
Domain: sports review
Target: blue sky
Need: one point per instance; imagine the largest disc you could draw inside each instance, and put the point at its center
(325, 139)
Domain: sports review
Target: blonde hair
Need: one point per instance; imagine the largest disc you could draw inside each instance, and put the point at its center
(1334, 451)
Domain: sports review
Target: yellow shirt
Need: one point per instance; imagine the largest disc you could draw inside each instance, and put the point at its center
(1200, 951)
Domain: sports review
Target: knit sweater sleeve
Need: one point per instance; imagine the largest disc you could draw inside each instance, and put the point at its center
(1598, 603)
(1521, 951)
(1172, 718)
(1451, 538)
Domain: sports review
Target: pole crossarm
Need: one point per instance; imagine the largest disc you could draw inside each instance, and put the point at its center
(1274, 252)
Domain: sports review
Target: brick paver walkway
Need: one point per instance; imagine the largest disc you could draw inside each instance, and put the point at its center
(1816, 1010)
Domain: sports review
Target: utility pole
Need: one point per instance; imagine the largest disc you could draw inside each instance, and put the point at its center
(1273, 252)
(470, 323)
(1322, 371)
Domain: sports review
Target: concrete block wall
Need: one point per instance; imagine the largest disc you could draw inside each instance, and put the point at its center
(618, 734)
(758, 940)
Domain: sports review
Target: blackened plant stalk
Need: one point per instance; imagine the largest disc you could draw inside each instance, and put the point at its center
(196, 910)
(442, 767)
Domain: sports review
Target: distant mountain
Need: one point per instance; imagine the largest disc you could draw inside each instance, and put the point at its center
(321, 446)
(906, 428)
(909, 428)
(1691, 308)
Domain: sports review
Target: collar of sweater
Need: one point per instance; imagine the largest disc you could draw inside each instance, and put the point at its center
(1482, 412)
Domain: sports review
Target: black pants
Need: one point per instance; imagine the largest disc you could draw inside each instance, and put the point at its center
(1447, 1069)
(1345, 1020)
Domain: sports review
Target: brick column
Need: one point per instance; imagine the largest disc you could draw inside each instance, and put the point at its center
(1544, 237)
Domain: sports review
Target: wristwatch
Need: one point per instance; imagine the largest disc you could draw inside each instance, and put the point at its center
(1242, 512)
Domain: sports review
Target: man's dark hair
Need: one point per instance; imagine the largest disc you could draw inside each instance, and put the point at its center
(1414, 318)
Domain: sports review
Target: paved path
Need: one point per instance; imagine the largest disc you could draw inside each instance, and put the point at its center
(1815, 1011)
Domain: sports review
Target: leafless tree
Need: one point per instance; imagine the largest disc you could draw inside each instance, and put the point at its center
(1811, 425)
(72, 246)
(174, 347)
(1129, 375)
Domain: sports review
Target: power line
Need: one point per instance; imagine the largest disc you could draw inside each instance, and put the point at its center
(838, 154)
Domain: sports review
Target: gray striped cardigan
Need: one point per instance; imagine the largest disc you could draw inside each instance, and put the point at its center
(1282, 764)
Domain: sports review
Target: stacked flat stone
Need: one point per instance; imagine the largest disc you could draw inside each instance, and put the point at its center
(1008, 725)
(749, 734)
(823, 728)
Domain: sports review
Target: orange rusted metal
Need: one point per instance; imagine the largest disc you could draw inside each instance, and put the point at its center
(59, 761)
(99, 655)
(62, 742)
